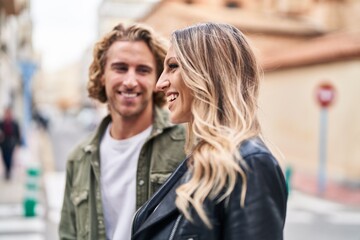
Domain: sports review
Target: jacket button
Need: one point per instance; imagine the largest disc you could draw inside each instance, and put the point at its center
(141, 182)
(88, 148)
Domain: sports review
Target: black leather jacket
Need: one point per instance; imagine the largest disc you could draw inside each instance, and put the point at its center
(262, 217)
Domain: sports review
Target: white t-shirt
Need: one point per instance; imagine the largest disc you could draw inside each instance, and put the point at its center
(119, 160)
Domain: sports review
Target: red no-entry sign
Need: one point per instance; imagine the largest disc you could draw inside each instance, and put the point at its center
(325, 94)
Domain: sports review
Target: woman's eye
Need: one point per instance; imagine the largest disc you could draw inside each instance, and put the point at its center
(173, 65)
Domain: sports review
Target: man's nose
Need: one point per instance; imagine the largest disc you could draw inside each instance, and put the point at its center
(130, 80)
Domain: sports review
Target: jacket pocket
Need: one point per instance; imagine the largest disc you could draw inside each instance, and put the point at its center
(81, 205)
(158, 179)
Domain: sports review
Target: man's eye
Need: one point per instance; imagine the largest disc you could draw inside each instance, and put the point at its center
(144, 70)
(121, 68)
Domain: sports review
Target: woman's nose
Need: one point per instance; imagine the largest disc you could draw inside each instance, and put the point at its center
(162, 83)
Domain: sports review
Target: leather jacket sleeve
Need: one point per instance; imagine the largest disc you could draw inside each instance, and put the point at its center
(263, 216)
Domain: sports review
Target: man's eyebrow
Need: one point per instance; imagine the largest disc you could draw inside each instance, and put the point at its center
(117, 63)
(145, 65)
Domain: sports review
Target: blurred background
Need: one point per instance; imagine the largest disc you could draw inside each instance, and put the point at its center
(310, 54)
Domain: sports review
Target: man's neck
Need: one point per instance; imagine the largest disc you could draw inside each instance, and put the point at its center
(123, 128)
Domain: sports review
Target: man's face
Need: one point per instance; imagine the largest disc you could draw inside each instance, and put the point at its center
(8, 114)
(129, 79)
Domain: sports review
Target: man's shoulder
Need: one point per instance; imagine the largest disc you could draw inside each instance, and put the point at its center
(162, 123)
(89, 144)
(176, 132)
(85, 146)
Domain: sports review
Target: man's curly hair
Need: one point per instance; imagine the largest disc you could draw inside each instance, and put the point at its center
(135, 32)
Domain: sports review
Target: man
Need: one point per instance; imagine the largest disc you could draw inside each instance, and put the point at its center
(9, 139)
(134, 149)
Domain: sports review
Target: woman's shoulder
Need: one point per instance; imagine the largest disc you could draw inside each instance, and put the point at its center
(254, 145)
(263, 171)
(255, 152)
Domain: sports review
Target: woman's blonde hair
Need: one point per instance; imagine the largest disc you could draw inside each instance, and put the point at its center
(135, 32)
(220, 69)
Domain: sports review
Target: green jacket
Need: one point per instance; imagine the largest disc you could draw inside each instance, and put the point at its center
(82, 212)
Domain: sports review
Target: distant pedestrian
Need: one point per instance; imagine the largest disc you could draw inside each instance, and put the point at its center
(9, 139)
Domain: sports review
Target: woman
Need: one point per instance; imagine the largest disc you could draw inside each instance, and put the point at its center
(230, 186)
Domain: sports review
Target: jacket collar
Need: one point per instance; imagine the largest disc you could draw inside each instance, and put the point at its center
(160, 123)
(162, 204)
(94, 141)
(92, 146)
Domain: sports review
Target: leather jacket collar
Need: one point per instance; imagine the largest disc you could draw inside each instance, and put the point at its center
(162, 204)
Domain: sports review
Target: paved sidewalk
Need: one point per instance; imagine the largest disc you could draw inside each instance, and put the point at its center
(13, 223)
(334, 191)
(12, 191)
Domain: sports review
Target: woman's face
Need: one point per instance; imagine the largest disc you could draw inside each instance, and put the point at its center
(178, 95)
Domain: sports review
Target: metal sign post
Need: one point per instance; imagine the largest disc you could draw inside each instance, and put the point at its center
(325, 94)
(28, 69)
